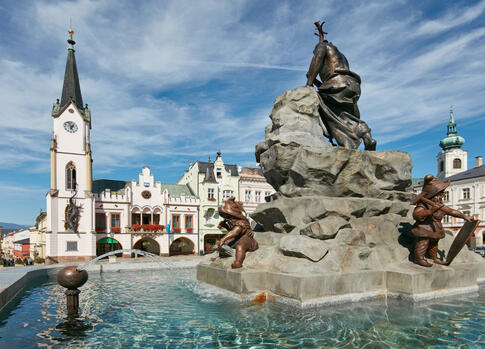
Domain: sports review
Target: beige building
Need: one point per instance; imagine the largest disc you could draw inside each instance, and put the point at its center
(212, 182)
(37, 236)
(253, 188)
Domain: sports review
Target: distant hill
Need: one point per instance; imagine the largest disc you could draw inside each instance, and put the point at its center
(9, 227)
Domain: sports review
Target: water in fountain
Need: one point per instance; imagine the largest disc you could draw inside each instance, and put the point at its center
(130, 251)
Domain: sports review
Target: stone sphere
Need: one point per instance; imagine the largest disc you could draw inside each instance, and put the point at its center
(71, 278)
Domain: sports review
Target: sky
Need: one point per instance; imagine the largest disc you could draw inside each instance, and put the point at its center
(172, 82)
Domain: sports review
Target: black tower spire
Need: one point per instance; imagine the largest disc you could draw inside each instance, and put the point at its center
(71, 89)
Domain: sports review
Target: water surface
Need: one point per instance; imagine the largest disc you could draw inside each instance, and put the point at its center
(169, 309)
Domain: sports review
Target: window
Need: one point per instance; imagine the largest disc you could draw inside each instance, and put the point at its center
(135, 218)
(226, 194)
(466, 193)
(115, 220)
(446, 219)
(210, 194)
(219, 173)
(100, 222)
(456, 163)
(447, 196)
(442, 166)
(267, 193)
(189, 223)
(71, 245)
(248, 195)
(156, 218)
(70, 176)
(257, 196)
(146, 218)
(176, 223)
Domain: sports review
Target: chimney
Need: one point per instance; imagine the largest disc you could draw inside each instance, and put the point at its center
(478, 161)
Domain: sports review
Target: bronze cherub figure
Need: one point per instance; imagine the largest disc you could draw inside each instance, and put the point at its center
(239, 235)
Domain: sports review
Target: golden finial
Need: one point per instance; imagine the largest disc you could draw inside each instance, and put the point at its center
(70, 31)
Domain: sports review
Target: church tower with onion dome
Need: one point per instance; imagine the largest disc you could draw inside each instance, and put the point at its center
(452, 159)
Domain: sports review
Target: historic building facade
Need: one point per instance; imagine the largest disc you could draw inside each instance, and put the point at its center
(253, 188)
(212, 182)
(113, 214)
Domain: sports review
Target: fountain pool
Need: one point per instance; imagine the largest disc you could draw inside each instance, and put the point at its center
(170, 309)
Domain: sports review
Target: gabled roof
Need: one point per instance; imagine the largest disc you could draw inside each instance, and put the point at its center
(472, 173)
(100, 185)
(204, 166)
(177, 190)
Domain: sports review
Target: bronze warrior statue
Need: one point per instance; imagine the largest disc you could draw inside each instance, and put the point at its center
(72, 215)
(428, 213)
(339, 91)
(240, 234)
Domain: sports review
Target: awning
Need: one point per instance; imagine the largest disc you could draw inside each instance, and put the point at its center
(108, 240)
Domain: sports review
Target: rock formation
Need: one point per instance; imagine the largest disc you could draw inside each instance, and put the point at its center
(335, 209)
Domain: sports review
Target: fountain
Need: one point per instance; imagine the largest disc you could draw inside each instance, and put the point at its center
(73, 277)
(340, 226)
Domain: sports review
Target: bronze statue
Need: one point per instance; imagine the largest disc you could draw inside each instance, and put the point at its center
(71, 222)
(239, 235)
(428, 213)
(339, 91)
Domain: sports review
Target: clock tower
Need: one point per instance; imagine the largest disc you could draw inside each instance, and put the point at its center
(71, 172)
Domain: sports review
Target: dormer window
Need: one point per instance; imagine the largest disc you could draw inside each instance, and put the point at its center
(219, 173)
(70, 176)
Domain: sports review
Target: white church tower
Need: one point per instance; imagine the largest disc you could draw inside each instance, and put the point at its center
(452, 159)
(71, 172)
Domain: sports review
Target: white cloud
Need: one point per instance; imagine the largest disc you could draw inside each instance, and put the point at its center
(181, 78)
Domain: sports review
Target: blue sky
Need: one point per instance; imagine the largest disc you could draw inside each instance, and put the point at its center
(172, 82)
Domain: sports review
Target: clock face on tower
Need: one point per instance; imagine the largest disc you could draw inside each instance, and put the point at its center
(70, 126)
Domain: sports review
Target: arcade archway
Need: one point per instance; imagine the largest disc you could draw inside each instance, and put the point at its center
(148, 245)
(182, 246)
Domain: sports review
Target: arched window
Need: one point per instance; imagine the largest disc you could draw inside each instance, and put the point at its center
(456, 163)
(70, 176)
